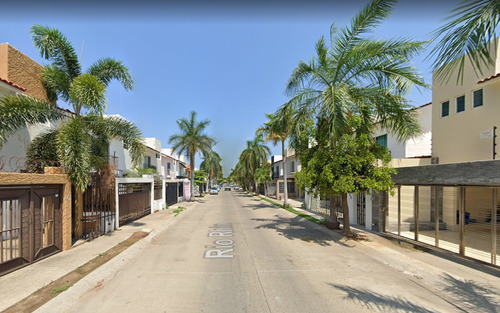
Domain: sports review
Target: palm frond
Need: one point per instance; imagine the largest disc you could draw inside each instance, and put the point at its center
(466, 35)
(74, 147)
(87, 91)
(57, 82)
(54, 46)
(108, 69)
(19, 111)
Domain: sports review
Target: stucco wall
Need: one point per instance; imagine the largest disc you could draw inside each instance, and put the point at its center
(45, 179)
(456, 138)
(20, 69)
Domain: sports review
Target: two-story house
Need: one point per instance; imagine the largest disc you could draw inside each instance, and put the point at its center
(291, 166)
(453, 204)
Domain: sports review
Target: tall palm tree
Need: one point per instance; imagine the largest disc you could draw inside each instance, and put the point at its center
(192, 140)
(211, 164)
(278, 128)
(360, 76)
(83, 136)
(467, 35)
(254, 156)
(357, 76)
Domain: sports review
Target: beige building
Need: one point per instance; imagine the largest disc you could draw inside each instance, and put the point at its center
(464, 114)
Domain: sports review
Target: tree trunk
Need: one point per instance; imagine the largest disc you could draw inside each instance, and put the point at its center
(78, 213)
(333, 222)
(285, 182)
(347, 225)
(191, 183)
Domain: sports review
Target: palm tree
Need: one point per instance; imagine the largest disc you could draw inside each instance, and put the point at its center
(277, 129)
(356, 76)
(253, 157)
(467, 35)
(192, 140)
(82, 138)
(211, 164)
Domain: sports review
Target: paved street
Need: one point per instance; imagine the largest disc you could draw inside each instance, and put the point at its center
(235, 253)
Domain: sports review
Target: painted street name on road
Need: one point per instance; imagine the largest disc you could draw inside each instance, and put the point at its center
(222, 247)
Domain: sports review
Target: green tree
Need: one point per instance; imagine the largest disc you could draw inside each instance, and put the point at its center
(470, 28)
(82, 138)
(211, 164)
(357, 164)
(252, 158)
(277, 129)
(263, 176)
(192, 140)
(358, 77)
(200, 178)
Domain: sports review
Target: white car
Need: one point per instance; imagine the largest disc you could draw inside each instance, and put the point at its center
(214, 190)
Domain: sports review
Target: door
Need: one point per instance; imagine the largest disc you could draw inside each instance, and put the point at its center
(30, 225)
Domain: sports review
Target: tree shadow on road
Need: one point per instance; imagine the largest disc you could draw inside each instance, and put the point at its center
(259, 206)
(470, 293)
(297, 228)
(381, 303)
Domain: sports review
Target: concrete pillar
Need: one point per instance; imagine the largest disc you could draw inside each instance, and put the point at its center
(369, 210)
(351, 202)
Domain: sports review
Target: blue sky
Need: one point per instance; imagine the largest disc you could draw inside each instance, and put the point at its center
(227, 60)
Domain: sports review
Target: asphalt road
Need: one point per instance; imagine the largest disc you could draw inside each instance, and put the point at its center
(234, 253)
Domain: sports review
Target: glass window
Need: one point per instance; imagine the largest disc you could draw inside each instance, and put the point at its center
(460, 104)
(292, 167)
(478, 98)
(445, 108)
(382, 140)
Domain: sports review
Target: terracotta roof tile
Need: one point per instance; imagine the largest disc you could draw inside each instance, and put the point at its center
(488, 78)
(12, 84)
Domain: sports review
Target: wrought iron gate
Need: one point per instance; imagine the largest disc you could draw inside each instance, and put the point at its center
(30, 225)
(171, 193)
(361, 209)
(99, 205)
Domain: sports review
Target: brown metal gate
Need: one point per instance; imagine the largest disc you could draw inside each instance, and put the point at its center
(134, 201)
(30, 225)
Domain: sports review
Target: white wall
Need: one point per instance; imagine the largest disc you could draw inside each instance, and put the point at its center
(124, 161)
(13, 152)
(420, 146)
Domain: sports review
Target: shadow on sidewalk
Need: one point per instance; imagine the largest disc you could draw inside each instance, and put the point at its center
(297, 228)
(382, 303)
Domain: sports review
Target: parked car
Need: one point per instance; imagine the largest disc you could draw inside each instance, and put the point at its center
(214, 190)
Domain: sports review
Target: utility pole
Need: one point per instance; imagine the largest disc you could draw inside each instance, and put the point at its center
(494, 141)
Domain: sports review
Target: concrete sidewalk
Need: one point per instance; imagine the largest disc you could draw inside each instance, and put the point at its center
(19, 284)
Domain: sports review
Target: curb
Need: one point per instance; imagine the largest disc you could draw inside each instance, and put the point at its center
(64, 301)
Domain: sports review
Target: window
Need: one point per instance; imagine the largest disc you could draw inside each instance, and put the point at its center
(382, 140)
(445, 108)
(292, 167)
(477, 98)
(460, 104)
(168, 168)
